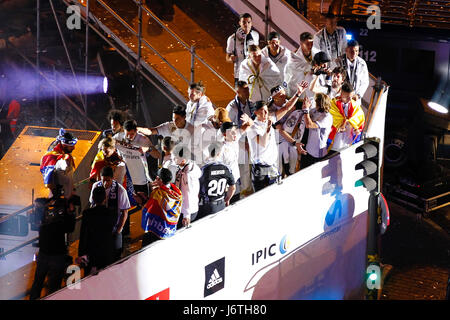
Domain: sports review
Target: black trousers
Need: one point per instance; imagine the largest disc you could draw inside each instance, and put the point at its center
(118, 246)
(260, 177)
(308, 160)
(210, 208)
(53, 266)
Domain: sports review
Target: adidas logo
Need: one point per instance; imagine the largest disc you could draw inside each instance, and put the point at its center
(214, 280)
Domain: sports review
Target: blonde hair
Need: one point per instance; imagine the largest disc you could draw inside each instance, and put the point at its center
(107, 142)
(323, 102)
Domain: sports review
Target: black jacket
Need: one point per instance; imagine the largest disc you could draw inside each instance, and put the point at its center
(96, 236)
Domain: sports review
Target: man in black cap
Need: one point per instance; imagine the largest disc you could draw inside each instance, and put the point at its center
(330, 39)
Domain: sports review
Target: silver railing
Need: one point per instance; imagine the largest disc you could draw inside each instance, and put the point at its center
(138, 35)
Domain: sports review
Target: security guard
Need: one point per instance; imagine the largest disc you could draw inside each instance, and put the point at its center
(213, 183)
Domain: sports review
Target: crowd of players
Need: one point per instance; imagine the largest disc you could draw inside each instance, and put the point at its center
(291, 109)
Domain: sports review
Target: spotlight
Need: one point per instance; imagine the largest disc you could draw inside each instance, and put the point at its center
(105, 85)
(349, 36)
(437, 107)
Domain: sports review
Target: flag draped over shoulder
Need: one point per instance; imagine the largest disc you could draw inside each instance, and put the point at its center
(49, 160)
(161, 212)
(355, 117)
(100, 161)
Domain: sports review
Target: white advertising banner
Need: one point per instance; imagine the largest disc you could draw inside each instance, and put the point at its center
(311, 228)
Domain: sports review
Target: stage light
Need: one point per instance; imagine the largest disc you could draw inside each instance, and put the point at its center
(105, 85)
(349, 36)
(437, 107)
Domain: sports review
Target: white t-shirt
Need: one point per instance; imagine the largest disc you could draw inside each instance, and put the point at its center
(317, 138)
(169, 163)
(187, 180)
(241, 46)
(123, 203)
(259, 154)
(233, 110)
(169, 129)
(135, 160)
(291, 122)
(198, 112)
(280, 59)
(230, 156)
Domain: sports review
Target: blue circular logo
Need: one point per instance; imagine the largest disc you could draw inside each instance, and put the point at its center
(284, 244)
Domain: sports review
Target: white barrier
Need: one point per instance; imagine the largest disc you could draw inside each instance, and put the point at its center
(262, 244)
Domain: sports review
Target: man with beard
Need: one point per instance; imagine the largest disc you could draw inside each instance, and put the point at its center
(338, 76)
(239, 41)
(116, 119)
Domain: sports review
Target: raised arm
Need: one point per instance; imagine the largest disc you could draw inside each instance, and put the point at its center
(309, 123)
(147, 131)
(301, 87)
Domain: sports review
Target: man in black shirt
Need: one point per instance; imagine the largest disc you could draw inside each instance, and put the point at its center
(96, 236)
(213, 182)
(58, 219)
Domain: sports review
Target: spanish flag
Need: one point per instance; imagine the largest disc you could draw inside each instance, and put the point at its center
(49, 161)
(355, 117)
(100, 161)
(161, 212)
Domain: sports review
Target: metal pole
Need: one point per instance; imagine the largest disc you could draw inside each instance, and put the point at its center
(67, 51)
(305, 8)
(266, 19)
(38, 35)
(86, 61)
(138, 62)
(55, 99)
(192, 63)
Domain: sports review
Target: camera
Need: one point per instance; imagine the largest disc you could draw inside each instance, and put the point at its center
(49, 210)
(320, 71)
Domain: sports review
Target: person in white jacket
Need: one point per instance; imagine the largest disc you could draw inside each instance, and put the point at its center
(260, 73)
(198, 110)
(187, 180)
(331, 39)
(199, 107)
(276, 52)
(356, 67)
(299, 64)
